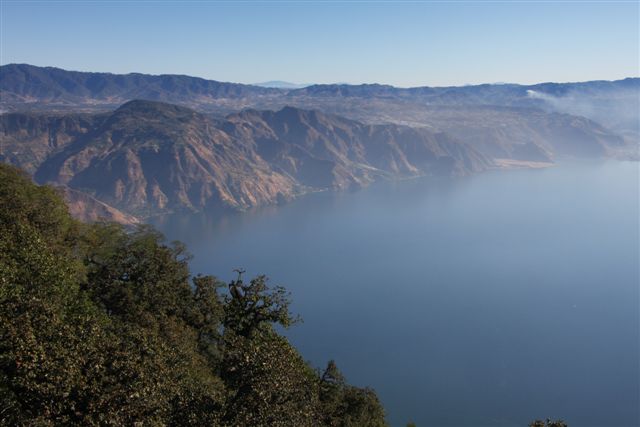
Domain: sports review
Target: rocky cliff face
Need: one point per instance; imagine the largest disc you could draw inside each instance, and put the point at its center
(88, 209)
(29, 139)
(321, 150)
(148, 157)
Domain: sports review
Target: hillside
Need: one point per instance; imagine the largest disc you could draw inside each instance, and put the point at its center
(103, 326)
(147, 157)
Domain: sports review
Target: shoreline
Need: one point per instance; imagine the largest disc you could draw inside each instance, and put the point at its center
(521, 164)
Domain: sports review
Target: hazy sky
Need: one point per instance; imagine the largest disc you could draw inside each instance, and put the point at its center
(400, 43)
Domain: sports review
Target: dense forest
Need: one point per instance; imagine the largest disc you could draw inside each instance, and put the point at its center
(100, 325)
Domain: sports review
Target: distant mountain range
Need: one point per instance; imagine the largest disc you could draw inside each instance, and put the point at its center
(281, 85)
(136, 145)
(615, 104)
(22, 84)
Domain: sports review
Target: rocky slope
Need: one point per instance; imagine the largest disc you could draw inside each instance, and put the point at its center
(88, 209)
(321, 150)
(148, 157)
(29, 139)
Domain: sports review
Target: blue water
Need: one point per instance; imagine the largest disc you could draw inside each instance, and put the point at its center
(486, 300)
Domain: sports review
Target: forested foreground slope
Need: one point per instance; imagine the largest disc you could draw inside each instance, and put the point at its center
(99, 326)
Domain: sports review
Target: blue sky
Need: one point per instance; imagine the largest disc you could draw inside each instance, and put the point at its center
(400, 43)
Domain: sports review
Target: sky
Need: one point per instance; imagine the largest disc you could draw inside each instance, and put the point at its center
(403, 43)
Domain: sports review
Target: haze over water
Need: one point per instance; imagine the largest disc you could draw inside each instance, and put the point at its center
(486, 300)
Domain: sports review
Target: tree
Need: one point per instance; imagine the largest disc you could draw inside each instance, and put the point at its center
(100, 325)
(272, 385)
(347, 406)
(548, 423)
(96, 324)
(255, 307)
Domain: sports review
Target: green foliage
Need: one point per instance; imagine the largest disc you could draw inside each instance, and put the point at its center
(135, 277)
(40, 207)
(253, 308)
(548, 423)
(272, 385)
(100, 326)
(347, 406)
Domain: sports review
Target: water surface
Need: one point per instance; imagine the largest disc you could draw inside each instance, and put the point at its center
(485, 300)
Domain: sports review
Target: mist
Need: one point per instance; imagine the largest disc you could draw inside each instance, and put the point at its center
(617, 110)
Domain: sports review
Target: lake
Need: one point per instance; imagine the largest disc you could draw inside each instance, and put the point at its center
(486, 300)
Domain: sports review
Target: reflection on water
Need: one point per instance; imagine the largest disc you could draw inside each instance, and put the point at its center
(489, 300)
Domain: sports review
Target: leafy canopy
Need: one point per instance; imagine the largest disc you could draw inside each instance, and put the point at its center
(100, 325)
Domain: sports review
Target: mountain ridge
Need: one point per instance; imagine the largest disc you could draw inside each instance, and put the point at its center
(24, 84)
(613, 104)
(27, 83)
(147, 157)
(633, 81)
